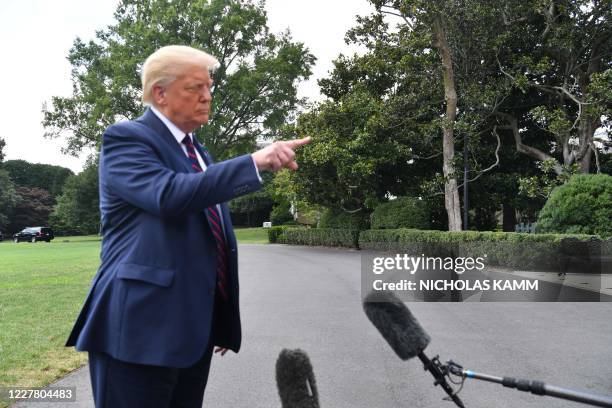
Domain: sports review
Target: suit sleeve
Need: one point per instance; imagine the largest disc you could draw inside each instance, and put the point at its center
(131, 168)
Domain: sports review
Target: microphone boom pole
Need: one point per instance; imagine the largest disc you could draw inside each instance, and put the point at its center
(535, 387)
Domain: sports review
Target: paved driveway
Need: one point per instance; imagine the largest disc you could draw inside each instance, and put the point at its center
(310, 298)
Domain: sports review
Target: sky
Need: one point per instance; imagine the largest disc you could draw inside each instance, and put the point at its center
(36, 35)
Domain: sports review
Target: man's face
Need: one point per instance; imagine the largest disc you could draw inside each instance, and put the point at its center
(186, 101)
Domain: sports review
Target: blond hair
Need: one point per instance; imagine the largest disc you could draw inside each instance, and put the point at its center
(167, 63)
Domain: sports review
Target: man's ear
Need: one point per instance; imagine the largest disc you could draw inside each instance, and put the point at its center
(159, 95)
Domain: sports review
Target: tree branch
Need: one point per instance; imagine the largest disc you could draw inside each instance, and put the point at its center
(523, 148)
(481, 172)
(401, 15)
(549, 89)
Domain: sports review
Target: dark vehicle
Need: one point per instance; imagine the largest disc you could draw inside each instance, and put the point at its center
(34, 234)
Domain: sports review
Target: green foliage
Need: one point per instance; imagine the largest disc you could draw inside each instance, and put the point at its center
(506, 249)
(347, 238)
(280, 213)
(379, 131)
(8, 198)
(32, 208)
(542, 185)
(339, 219)
(403, 212)
(255, 84)
(36, 175)
(252, 209)
(582, 205)
(276, 231)
(558, 57)
(283, 189)
(600, 90)
(354, 160)
(77, 209)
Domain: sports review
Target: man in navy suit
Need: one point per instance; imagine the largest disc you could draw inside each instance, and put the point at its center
(166, 291)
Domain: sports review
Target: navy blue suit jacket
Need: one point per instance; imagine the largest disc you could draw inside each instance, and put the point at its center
(152, 299)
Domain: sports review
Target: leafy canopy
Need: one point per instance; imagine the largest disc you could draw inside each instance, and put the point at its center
(255, 85)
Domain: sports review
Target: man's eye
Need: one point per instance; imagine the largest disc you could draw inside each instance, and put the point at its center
(196, 88)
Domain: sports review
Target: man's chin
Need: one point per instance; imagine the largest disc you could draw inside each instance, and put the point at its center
(203, 118)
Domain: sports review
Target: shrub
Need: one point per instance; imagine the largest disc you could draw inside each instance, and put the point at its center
(404, 212)
(274, 233)
(339, 219)
(347, 238)
(583, 205)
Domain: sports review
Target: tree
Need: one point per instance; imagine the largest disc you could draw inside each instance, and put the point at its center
(556, 55)
(255, 84)
(451, 191)
(77, 209)
(8, 198)
(35, 175)
(399, 109)
(32, 208)
(441, 72)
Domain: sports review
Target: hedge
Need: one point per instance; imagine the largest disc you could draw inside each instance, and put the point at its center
(552, 252)
(514, 250)
(274, 232)
(347, 238)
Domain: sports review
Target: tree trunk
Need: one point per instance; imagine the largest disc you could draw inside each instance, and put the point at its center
(451, 191)
(586, 132)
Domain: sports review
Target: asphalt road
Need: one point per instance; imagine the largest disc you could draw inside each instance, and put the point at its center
(309, 298)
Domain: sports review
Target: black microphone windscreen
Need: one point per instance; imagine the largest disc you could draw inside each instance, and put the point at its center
(396, 324)
(295, 380)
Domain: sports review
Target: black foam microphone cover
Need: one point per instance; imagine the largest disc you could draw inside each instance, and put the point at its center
(295, 380)
(396, 324)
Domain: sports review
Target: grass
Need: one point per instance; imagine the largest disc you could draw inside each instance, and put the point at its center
(42, 289)
(251, 235)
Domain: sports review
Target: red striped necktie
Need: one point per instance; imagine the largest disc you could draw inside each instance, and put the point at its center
(214, 220)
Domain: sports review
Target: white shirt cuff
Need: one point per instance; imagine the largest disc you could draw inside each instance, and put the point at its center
(257, 171)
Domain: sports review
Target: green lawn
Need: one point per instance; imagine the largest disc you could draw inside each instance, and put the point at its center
(42, 287)
(252, 235)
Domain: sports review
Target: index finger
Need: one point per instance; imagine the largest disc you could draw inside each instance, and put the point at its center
(298, 142)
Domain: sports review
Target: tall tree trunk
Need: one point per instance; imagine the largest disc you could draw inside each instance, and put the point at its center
(586, 132)
(451, 191)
